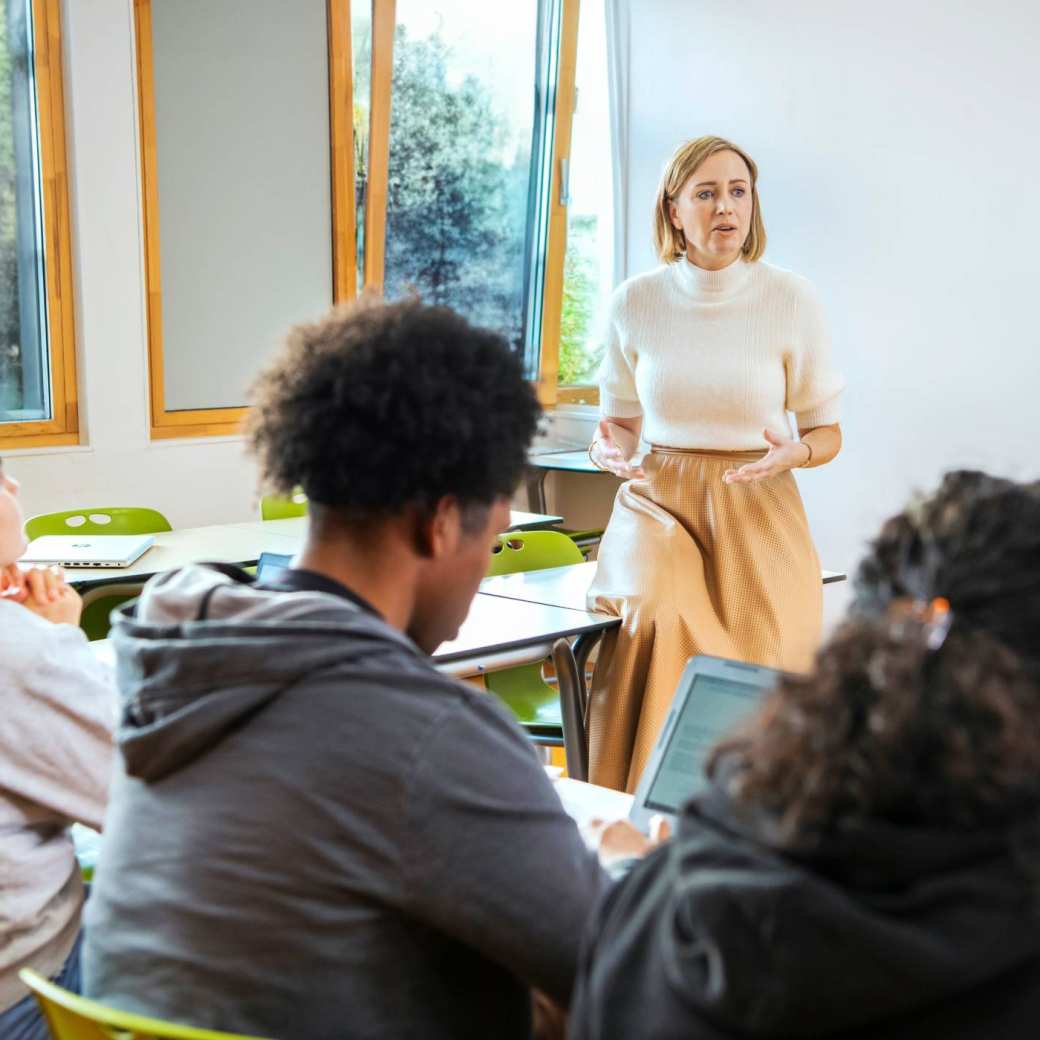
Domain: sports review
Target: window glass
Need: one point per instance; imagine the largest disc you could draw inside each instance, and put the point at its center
(361, 65)
(471, 123)
(587, 271)
(24, 364)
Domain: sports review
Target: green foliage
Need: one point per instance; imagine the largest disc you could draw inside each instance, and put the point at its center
(10, 356)
(578, 359)
(456, 209)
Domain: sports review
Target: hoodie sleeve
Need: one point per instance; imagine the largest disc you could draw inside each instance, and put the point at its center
(492, 859)
(59, 712)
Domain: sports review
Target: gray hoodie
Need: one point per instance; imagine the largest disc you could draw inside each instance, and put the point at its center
(314, 834)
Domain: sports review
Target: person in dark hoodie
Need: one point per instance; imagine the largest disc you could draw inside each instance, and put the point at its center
(313, 834)
(866, 860)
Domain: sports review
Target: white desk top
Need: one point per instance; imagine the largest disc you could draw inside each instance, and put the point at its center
(240, 543)
(219, 543)
(497, 633)
(569, 461)
(563, 586)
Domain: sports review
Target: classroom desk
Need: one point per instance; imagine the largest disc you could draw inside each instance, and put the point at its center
(540, 466)
(239, 543)
(497, 633)
(565, 586)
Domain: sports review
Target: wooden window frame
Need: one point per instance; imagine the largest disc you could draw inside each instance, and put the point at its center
(63, 427)
(222, 422)
(227, 421)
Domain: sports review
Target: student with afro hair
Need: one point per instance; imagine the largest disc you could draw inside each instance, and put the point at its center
(312, 833)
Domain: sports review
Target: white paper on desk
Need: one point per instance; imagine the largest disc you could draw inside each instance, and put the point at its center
(584, 802)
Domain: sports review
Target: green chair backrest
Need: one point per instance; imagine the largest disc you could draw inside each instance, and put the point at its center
(70, 1017)
(535, 704)
(100, 601)
(532, 551)
(278, 507)
(100, 520)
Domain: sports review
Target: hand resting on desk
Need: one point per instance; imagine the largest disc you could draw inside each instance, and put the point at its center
(616, 841)
(44, 591)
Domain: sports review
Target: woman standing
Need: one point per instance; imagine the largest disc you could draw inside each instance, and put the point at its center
(708, 548)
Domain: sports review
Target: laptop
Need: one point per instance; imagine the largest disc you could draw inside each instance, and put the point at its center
(270, 566)
(713, 695)
(92, 550)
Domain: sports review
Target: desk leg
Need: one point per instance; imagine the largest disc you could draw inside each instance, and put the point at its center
(535, 484)
(569, 683)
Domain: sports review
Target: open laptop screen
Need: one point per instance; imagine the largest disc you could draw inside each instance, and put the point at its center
(270, 566)
(714, 705)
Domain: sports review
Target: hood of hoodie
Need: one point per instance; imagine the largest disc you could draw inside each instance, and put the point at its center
(870, 926)
(203, 650)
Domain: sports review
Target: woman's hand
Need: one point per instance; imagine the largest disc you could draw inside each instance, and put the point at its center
(44, 591)
(784, 454)
(612, 449)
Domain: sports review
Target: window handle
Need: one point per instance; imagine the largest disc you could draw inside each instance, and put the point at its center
(565, 182)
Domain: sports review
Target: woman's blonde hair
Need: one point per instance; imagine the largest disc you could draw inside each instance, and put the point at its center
(669, 240)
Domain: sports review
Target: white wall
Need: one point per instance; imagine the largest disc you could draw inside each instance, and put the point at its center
(192, 482)
(898, 150)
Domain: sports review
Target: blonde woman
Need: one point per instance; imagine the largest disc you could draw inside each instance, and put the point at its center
(708, 549)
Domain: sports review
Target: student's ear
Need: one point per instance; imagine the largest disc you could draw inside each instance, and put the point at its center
(437, 530)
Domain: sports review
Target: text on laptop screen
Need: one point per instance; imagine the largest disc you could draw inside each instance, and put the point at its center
(712, 708)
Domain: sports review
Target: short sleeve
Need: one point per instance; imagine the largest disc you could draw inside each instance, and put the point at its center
(617, 379)
(813, 384)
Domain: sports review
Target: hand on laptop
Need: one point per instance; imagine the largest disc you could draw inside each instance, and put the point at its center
(618, 840)
(44, 591)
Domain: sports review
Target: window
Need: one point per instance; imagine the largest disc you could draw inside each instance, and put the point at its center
(470, 104)
(588, 263)
(37, 348)
(449, 123)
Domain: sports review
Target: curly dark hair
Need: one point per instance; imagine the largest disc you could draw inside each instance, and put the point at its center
(378, 407)
(976, 542)
(885, 729)
(890, 728)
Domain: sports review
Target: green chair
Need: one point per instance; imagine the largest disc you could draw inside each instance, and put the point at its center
(534, 702)
(102, 520)
(70, 1017)
(278, 507)
(101, 600)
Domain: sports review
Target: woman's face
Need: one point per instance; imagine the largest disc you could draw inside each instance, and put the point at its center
(714, 209)
(12, 540)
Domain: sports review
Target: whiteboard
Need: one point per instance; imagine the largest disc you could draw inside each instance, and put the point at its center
(243, 170)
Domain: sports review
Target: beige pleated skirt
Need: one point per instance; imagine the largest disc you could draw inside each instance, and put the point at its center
(694, 566)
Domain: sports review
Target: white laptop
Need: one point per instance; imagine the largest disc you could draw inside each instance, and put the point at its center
(92, 550)
(713, 695)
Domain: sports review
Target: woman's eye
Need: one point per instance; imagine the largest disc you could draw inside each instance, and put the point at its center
(739, 192)
(704, 194)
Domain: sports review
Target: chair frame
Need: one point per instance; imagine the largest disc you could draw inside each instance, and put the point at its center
(59, 1004)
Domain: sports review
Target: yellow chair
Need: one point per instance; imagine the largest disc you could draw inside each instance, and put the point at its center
(75, 1018)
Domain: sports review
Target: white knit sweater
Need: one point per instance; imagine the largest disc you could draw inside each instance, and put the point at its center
(711, 358)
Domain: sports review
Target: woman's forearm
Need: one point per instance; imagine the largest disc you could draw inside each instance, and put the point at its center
(823, 441)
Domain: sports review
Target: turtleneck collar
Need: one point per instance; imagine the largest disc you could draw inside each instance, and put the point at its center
(694, 281)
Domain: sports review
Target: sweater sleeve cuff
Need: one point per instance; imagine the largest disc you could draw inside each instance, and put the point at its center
(824, 414)
(618, 406)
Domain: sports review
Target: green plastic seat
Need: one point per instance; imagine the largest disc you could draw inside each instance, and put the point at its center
(70, 1017)
(99, 602)
(99, 520)
(528, 696)
(278, 507)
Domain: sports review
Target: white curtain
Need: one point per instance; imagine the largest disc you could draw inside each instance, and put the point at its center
(617, 21)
